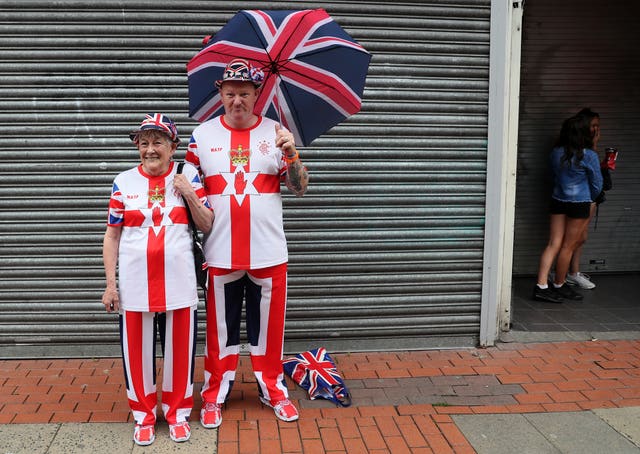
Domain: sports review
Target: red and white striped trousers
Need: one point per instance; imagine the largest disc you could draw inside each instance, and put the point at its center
(265, 293)
(138, 341)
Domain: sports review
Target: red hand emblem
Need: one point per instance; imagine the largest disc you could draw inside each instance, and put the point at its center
(240, 183)
(156, 216)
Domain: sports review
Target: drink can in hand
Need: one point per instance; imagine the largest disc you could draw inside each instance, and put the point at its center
(611, 154)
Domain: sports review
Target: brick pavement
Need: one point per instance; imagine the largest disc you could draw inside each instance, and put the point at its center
(402, 401)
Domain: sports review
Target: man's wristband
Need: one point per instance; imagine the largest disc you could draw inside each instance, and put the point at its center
(291, 160)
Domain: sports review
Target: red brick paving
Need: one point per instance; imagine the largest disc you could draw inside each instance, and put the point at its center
(402, 401)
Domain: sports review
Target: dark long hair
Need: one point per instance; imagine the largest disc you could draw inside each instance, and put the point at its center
(587, 112)
(589, 115)
(575, 136)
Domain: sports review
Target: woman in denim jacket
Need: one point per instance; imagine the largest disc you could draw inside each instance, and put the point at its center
(577, 182)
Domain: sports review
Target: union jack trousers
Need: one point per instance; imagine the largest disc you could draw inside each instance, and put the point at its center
(138, 334)
(265, 292)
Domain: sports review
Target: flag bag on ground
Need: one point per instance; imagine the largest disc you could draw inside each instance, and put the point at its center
(315, 371)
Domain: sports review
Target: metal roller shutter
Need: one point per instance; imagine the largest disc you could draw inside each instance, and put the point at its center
(386, 247)
(579, 54)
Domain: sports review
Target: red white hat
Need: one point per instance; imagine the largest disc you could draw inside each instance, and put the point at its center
(241, 70)
(157, 121)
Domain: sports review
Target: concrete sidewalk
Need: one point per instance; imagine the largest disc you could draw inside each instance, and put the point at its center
(598, 431)
(614, 430)
(559, 397)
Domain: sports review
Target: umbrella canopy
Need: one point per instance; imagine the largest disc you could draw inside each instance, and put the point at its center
(314, 72)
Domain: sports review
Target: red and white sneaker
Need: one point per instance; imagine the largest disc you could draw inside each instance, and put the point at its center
(180, 432)
(283, 409)
(211, 415)
(144, 435)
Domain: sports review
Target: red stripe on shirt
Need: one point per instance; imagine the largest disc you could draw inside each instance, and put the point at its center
(267, 183)
(263, 183)
(240, 214)
(156, 286)
(178, 215)
(133, 218)
(191, 155)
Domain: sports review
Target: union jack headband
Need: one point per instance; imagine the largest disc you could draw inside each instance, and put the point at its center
(157, 121)
(241, 70)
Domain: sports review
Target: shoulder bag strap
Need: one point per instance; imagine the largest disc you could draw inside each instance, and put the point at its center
(186, 205)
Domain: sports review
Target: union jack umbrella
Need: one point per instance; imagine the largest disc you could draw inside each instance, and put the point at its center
(314, 72)
(315, 371)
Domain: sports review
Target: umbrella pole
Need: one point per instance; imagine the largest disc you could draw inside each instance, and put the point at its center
(279, 109)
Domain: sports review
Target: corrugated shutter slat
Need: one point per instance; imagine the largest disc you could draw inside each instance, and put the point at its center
(385, 248)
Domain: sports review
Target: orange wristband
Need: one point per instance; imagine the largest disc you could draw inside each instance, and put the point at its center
(293, 159)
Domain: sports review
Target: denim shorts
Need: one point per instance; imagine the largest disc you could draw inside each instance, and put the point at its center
(576, 210)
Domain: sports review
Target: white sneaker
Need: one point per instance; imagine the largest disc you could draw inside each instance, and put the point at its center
(283, 409)
(581, 280)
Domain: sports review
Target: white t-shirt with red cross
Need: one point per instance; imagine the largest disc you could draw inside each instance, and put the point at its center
(242, 173)
(155, 256)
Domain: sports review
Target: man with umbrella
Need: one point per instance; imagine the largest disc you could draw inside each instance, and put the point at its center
(243, 158)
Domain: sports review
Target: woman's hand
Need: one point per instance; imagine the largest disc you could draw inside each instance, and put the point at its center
(202, 216)
(596, 139)
(182, 185)
(111, 300)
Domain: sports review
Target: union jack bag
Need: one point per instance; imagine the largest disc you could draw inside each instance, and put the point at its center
(315, 371)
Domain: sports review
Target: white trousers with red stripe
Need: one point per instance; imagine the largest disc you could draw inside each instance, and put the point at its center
(138, 341)
(265, 293)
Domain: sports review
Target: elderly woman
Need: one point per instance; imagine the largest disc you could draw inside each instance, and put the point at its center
(148, 237)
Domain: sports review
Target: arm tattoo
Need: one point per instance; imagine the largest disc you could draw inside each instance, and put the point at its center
(298, 177)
